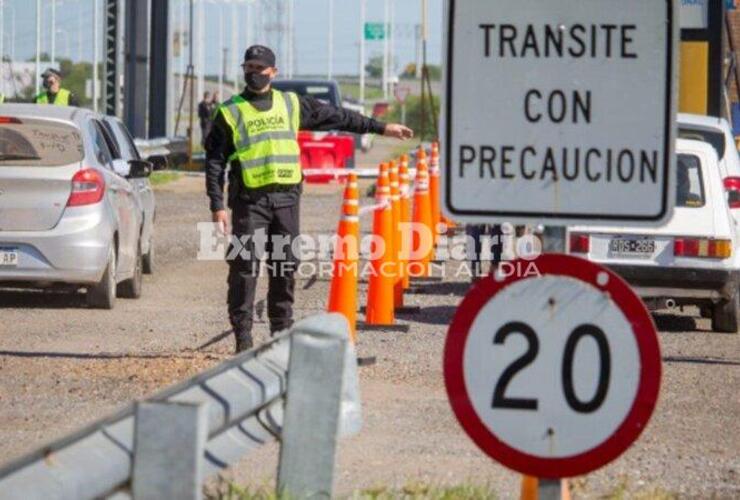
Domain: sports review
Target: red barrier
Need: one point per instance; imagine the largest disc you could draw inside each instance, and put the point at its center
(324, 150)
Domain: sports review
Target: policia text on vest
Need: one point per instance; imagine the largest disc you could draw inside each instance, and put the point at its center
(265, 142)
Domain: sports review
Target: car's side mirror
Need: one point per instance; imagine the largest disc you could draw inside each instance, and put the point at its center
(140, 169)
(732, 186)
(159, 162)
(121, 167)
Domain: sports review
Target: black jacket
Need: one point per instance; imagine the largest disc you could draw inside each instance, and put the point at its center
(314, 115)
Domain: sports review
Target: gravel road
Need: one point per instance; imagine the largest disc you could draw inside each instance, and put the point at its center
(62, 365)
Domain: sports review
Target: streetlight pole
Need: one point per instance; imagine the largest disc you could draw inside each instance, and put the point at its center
(363, 14)
(95, 56)
(53, 32)
(234, 44)
(38, 46)
(330, 62)
(386, 17)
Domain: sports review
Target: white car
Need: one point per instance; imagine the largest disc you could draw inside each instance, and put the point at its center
(694, 258)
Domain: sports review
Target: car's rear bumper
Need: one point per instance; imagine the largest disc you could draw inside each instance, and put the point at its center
(73, 252)
(684, 285)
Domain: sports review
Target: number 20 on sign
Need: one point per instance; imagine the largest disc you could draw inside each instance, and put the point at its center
(553, 375)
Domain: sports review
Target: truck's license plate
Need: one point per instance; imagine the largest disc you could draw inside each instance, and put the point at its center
(8, 257)
(632, 247)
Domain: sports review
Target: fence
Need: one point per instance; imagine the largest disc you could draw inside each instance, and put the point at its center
(300, 388)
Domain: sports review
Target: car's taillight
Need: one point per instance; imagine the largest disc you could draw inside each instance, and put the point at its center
(9, 119)
(88, 187)
(702, 247)
(580, 243)
(732, 186)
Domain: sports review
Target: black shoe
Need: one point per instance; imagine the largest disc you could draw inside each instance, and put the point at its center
(244, 341)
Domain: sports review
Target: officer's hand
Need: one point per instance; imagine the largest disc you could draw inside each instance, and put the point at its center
(398, 131)
(221, 218)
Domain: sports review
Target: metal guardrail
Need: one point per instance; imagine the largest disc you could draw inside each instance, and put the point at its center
(174, 148)
(301, 388)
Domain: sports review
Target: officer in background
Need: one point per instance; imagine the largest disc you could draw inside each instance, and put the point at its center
(2, 98)
(54, 93)
(255, 133)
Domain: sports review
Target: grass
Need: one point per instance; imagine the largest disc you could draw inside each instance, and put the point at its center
(161, 178)
(353, 90)
(230, 491)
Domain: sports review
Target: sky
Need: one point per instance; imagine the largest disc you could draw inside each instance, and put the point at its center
(74, 28)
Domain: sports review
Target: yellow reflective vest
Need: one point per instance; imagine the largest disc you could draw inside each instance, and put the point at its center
(265, 142)
(62, 98)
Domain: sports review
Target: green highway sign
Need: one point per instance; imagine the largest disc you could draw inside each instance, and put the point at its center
(374, 31)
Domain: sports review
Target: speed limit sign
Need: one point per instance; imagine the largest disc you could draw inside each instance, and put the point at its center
(556, 373)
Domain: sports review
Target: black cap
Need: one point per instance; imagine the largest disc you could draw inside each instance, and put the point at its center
(260, 53)
(51, 72)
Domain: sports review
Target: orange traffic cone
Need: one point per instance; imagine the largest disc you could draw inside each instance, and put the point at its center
(379, 309)
(396, 210)
(530, 489)
(434, 190)
(423, 238)
(405, 185)
(343, 290)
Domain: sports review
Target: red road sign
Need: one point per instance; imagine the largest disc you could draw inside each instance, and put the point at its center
(556, 372)
(401, 93)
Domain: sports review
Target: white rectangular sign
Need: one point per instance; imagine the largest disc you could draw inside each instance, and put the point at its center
(695, 14)
(560, 111)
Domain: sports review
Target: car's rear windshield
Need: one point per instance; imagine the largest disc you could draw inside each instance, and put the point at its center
(716, 139)
(38, 143)
(689, 184)
(317, 90)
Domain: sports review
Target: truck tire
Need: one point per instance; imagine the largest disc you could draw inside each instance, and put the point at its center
(103, 294)
(725, 315)
(131, 288)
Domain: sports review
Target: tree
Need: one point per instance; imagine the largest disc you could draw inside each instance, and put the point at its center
(374, 67)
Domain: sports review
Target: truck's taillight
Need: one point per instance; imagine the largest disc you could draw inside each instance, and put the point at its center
(702, 247)
(88, 188)
(580, 243)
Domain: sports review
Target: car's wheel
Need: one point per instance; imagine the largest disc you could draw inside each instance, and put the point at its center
(103, 295)
(148, 258)
(131, 288)
(725, 315)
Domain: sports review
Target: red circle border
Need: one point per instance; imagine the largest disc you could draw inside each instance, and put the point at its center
(631, 427)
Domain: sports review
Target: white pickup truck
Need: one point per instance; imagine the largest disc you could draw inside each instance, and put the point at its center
(694, 258)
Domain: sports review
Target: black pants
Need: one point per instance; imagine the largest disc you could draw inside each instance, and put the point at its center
(252, 224)
(478, 232)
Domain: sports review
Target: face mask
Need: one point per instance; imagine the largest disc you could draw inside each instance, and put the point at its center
(256, 81)
(47, 84)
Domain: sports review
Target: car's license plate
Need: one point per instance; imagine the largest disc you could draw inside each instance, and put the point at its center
(630, 247)
(8, 257)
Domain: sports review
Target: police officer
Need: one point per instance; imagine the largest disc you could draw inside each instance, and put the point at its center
(2, 98)
(54, 93)
(255, 133)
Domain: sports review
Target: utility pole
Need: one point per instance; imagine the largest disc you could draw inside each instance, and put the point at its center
(386, 20)
(391, 44)
(53, 32)
(363, 15)
(38, 46)
(291, 38)
(234, 45)
(222, 73)
(95, 56)
(221, 47)
(330, 61)
(201, 48)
